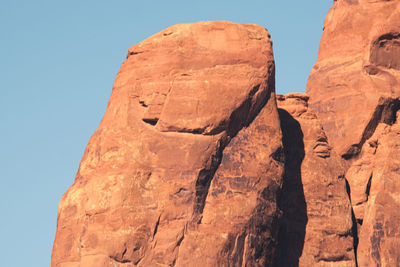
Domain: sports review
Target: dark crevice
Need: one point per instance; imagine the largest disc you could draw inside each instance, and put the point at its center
(368, 188)
(143, 104)
(180, 240)
(279, 155)
(354, 227)
(332, 259)
(292, 225)
(389, 36)
(133, 53)
(355, 236)
(156, 226)
(120, 258)
(152, 122)
(385, 112)
(204, 180)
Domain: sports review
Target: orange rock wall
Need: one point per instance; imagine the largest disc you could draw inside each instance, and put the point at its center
(197, 162)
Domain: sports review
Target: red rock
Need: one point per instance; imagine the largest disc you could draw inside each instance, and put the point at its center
(316, 228)
(374, 180)
(186, 165)
(193, 164)
(354, 89)
(358, 63)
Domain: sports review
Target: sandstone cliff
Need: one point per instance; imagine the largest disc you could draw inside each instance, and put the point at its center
(185, 167)
(316, 227)
(358, 64)
(354, 89)
(197, 163)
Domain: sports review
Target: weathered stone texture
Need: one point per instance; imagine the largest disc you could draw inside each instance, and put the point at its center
(193, 164)
(354, 89)
(185, 167)
(357, 65)
(317, 226)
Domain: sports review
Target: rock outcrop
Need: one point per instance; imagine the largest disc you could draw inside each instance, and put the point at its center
(358, 63)
(375, 187)
(317, 227)
(194, 164)
(186, 165)
(354, 89)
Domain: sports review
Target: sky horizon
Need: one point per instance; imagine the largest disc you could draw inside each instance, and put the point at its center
(58, 65)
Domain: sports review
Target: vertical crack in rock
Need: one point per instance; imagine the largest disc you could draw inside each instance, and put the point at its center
(368, 187)
(203, 182)
(355, 227)
(291, 200)
(240, 118)
(156, 226)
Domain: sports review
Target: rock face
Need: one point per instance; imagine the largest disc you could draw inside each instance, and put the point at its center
(317, 227)
(354, 89)
(358, 64)
(195, 165)
(185, 167)
(375, 187)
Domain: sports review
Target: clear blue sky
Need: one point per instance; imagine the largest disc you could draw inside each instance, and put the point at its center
(58, 61)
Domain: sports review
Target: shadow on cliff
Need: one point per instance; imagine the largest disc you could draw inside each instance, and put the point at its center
(291, 201)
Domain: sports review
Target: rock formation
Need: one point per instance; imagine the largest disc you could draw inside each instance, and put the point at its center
(186, 165)
(358, 63)
(316, 227)
(197, 163)
(354, 89)
(375, 186)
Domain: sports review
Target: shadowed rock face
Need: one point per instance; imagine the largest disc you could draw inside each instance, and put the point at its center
(185, 167)
(316, 227)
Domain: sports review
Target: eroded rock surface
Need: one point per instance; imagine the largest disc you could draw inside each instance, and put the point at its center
(194, 165)
(358, 63)
(375, 186)
(185, 167)
(354, 89)
(317, 227)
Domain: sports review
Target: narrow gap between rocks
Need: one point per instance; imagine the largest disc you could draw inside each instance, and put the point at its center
(291, 200)
(354, 228)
